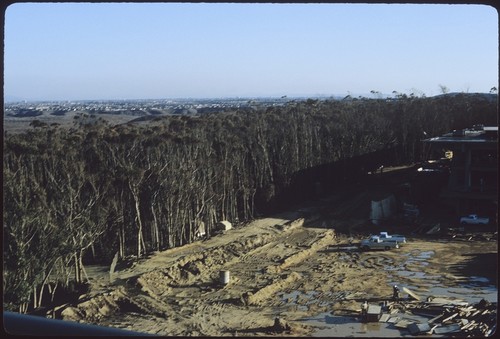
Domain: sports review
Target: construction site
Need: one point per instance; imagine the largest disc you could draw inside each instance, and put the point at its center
(302, 273)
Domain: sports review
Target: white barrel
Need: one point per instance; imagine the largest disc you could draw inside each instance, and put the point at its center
(224, 277)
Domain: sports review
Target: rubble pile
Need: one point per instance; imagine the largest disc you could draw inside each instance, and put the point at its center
(447, 316)
(458, 234)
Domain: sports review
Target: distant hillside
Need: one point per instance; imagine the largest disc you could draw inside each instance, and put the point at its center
(488, 96)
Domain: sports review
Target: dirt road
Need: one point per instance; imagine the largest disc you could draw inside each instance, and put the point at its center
(284, 267)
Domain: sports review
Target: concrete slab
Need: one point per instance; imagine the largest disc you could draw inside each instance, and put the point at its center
(384, 318)
(417, 328)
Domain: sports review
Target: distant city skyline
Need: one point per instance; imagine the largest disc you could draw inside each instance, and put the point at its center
(127, 51)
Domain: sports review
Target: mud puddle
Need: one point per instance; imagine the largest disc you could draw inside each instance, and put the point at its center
(303, 300)
(345, 326)
(351, 326)
(328, 325)
(470, 295)
(407, 273)
(473, 287)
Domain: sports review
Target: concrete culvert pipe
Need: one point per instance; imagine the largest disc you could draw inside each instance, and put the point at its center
(224, 277)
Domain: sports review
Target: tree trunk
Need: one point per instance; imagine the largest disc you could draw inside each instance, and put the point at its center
(44, 282)
(121, 241)
(35, 299)
(53, 292)
(155, 234)
(78, 272)
(82, 267)
(140, 239)
(40, 295)
(23, 308)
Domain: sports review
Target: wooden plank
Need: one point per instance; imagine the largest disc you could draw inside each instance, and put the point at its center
(384, 318)
(468, 325)
(411, 294)
(446, 301)
(426, 312)
(436, 318)
(393, 320)
(450, 317)
(434, 229)
(475, 313)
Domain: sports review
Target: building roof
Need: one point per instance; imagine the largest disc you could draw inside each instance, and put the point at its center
(487, 136)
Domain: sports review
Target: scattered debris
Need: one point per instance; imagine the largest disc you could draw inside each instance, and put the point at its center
(435, 229)
(446, 315)
(461, 234)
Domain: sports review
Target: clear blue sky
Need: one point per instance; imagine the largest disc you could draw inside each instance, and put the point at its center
(71, 51)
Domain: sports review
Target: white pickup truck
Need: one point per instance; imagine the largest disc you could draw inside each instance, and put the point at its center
(473, 219)
(375, 242)
(401, 239)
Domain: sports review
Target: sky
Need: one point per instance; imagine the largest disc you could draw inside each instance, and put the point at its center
(99, 51)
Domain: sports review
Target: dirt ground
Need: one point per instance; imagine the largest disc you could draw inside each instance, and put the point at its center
(15, 125)
(287, 267)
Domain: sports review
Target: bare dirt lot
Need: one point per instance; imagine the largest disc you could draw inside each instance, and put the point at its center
(283, 267)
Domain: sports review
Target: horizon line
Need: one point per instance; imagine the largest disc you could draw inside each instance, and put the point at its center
(374, 95)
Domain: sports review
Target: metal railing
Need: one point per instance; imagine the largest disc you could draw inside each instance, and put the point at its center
(20, 324)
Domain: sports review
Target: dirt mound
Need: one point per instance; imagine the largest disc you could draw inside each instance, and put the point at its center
(270, 290)
(101, 306)
(198, 268)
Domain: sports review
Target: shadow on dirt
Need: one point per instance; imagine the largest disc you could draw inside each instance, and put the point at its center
(354, 248)
(479, 265)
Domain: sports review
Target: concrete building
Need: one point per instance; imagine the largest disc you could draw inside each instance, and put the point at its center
(473, 181)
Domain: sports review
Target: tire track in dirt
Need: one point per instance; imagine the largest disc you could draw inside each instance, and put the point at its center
(265, 293)
(379, 261)
(237, 253)
(326, 239)
(155, 292)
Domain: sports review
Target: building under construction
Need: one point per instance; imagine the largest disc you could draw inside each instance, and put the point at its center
(473, 179)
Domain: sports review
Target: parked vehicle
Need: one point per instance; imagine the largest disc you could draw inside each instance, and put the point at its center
(401, 239)
(374, 242)
(473, 219)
